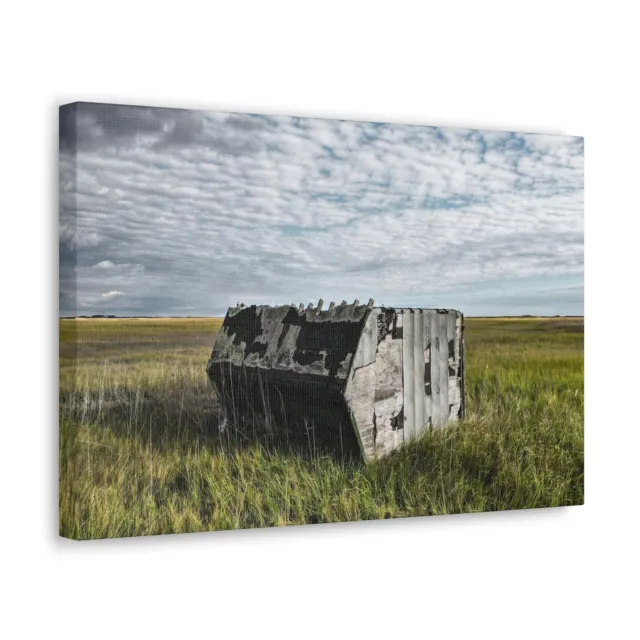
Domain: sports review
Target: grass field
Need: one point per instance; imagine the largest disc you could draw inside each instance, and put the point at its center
(139, 454)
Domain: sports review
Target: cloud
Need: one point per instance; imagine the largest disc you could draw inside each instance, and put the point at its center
(112, 294)
(89, 127)
(105, 265)
(196, 210)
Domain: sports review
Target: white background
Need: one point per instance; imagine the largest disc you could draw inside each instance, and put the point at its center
(543, 67)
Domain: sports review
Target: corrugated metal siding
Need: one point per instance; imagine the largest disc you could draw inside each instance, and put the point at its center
(432, 350)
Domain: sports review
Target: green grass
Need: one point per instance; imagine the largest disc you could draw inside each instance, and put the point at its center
(138, 455)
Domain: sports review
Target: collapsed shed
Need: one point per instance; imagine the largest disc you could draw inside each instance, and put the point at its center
(352, 376)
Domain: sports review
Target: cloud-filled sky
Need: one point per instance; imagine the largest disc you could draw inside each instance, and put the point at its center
(179, 212)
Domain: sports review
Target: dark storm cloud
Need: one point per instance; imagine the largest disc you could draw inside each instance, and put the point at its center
(179, 212)
(246, 122)
(88, 127)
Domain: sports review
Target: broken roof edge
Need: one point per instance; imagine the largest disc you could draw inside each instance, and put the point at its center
(344, 311)
(318, 313)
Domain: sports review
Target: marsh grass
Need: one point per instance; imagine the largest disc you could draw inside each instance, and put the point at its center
(140, 455)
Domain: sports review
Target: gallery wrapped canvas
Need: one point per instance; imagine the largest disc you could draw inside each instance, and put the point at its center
(205, 384)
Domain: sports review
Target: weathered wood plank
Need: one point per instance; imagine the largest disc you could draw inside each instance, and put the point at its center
(426, 371)
(368, 343)
(463, 399)
(360, 399)
(454, 326)
(388, 398)
(407, 374)
(418, 371)
(439, 370)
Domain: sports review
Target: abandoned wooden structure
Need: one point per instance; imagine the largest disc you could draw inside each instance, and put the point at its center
(353, 376)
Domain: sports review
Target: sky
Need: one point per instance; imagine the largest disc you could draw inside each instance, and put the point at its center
(170, 212)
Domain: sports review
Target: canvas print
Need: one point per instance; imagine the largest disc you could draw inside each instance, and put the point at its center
(269, 321)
